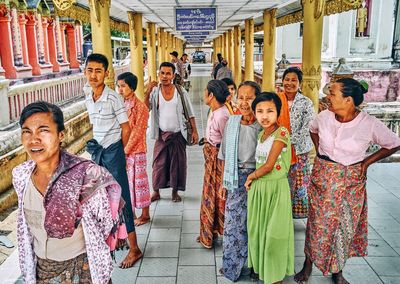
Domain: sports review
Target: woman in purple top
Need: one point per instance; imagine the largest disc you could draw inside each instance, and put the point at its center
(213, 199)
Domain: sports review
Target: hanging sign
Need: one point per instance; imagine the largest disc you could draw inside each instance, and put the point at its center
(196, 19)
(189, 34)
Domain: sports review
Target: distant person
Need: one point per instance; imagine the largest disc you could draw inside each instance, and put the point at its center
(169, 130)
(179, 66)
(224, 71)
(135, 149)
(269, 219)
(212, 208)
(187, 67)
(216, 66)
(337, 225)
(68, 215)
(231, 99)
(111, 132)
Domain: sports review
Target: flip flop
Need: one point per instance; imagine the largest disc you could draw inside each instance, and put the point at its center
(4, 241)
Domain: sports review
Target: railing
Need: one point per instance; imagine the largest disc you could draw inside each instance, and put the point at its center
(57, 91)
(387, 112)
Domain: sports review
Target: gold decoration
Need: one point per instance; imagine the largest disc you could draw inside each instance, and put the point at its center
(83, 14)
(63, 4)
(96, 9)
(131, 20)
(331, 7)
(312, 77)
(318, 8)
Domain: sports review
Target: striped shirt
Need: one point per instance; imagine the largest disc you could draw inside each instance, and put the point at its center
(106, 115)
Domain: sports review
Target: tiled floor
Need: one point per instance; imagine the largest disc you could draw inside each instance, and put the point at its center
(172, 255)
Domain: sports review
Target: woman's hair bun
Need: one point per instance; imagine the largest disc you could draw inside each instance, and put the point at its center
(364, 86)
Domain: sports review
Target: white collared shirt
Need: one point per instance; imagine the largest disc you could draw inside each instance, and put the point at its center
(106, 115)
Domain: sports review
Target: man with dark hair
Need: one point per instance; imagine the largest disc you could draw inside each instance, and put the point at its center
(179, 67)
(111, 132)
(170, 131)
(216, 66)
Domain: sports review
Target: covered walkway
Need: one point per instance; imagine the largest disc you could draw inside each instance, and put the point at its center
(172, 255)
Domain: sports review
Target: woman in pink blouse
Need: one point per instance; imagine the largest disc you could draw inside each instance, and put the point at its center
(135, 149)
(337, 226)
(213, 198)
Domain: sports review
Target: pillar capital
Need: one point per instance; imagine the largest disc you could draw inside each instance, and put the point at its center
(4, 10)
(312, 44)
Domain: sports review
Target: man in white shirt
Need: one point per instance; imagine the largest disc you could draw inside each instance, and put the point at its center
(170, 131)
(111, 132)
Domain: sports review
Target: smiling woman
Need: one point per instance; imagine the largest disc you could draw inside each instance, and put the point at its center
(68, 206)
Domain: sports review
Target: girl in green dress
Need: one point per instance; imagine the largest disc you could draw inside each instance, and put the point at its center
(269, 221)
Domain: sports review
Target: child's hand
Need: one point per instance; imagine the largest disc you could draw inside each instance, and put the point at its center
(248, 182)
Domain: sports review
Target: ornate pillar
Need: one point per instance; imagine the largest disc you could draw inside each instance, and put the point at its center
(151, 50)
(45, 24)
(59, 41)
(313, 12)
(22, 27)
(78, 40)
(63, 28)
(224, 45)
(231, 51)
(101, 33)
(268, 81)
(31, 40)
(136, 38)
(214, 54)
(249, 50)
(220, 43)
(237, 64)
(16, 36)
(170, 46)
(40, 38)
(167, 46)
(52, 45)
(6, 50)
(72, 50)
(160, 45)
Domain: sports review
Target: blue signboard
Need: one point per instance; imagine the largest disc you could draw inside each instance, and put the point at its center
(188, 34)
(196, 19)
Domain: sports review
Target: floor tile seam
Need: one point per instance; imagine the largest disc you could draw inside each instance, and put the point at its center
(147, 240)
(376, 273)
(392, 247)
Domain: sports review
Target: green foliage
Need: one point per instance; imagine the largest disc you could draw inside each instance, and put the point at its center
(119, 34)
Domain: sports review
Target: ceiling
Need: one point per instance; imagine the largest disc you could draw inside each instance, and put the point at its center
(229, 12)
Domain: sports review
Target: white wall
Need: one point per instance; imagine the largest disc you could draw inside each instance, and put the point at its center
(339, 37)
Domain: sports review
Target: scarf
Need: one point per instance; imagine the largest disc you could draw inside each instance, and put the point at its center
(231, 176)
(284, 120)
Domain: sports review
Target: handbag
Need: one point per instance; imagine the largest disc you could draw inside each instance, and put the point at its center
(189, 128)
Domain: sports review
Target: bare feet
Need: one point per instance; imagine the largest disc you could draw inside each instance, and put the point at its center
(144, 218)
(155, 195)
(338, 278)
(133, 256)
(175, 196)
(141, 221)
(304, 274)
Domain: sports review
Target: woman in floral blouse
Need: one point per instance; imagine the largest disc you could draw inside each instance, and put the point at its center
(297, 112)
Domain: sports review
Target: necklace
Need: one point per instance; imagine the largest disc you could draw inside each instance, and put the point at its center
(266, 134)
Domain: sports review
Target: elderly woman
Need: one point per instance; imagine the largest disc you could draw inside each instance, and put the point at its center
(213, 202)
(68, 206)
(297, 112)
(337, 221)
(238, 151)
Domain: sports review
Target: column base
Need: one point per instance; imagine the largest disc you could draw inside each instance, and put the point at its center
(46, 68)
(18, 72)
(60, 67)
